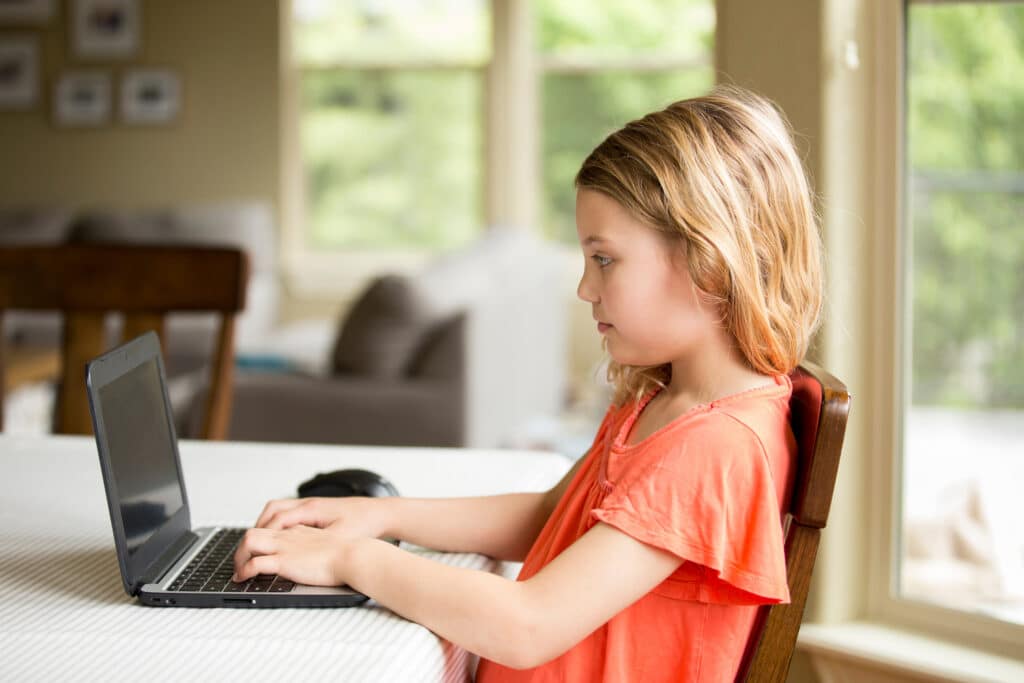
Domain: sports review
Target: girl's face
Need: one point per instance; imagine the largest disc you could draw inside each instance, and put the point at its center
(638, 286)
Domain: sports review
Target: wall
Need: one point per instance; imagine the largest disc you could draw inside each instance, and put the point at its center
(224, 144)
(774, 48)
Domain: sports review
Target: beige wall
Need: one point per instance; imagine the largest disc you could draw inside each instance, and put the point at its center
(774, 48)
(224, 144)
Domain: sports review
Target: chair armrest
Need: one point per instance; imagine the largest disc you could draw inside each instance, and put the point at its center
(296, 408)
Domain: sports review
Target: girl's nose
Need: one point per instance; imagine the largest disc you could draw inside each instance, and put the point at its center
(586, 290)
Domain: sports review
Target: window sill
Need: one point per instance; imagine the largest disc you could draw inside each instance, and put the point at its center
(340, 274)
(865, 651)
(317, 275)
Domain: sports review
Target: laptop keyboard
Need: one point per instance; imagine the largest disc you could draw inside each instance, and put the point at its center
(211, 569)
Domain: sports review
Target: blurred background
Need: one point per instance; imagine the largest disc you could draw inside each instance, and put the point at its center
(342, 141)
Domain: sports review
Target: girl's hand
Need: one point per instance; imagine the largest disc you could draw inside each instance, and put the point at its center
(356, 517)
(302, 554)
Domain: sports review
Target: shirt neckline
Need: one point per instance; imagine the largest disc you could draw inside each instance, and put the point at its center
(779, 383)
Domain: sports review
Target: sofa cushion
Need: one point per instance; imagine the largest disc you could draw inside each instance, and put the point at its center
(384, 329)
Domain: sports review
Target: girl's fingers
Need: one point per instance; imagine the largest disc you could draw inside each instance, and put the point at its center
(268, 511)
(261, 564)
(286, 518)
(304, 513)
(256, 542)
(275, 507)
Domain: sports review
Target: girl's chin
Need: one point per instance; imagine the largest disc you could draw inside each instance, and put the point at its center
(624, 357)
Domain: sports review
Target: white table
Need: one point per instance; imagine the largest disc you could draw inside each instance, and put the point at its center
(64, 614)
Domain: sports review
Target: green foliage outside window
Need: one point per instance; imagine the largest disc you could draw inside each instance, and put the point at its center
(394, 157)
(965, 118)
(392, 121)
(581, 109)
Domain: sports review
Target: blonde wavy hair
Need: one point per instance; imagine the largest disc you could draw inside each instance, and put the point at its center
(721, 173)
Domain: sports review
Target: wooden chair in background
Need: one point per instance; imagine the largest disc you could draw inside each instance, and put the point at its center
(144, 283)
(818, 411)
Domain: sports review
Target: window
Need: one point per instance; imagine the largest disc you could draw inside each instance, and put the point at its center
(391, 121)
(961, 519)
(398, 126)
(603, 64)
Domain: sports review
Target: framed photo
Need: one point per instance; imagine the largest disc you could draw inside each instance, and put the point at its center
(26, 11)
(82, 98)
(150, 96)
(19, 73)
(105, 28)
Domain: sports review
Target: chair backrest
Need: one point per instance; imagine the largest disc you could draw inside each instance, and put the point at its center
(145, 283)
(818, 411)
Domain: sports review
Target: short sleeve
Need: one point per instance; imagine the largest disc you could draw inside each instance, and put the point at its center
(709, 498)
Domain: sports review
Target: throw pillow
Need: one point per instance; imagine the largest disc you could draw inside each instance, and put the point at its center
(384, 329)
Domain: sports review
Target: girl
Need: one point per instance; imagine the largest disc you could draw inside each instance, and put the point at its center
(647, 562)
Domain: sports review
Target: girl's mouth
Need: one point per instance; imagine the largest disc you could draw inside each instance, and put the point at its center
(603, 327)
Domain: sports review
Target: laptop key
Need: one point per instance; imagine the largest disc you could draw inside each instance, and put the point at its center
(213, 587)
(233, 587)
(258, 587)
(282, 586)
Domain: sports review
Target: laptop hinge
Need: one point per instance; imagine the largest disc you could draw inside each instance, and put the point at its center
(164, 562)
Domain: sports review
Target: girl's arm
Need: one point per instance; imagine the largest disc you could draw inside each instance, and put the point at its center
(518, 624)
(502, 526)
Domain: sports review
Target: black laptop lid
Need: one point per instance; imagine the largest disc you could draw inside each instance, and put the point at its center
(138, 451)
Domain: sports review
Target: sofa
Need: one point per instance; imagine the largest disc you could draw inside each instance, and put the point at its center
(462, 353)
(465, 352)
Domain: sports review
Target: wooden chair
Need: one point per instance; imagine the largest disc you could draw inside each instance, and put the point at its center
(818, 411)
(142, 282)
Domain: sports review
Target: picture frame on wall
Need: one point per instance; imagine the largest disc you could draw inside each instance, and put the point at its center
(104, 29)
(82, 98)
(19, 72)
(26, 11)
(150, 96)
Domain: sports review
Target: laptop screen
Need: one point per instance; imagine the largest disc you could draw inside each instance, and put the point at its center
(141, 452)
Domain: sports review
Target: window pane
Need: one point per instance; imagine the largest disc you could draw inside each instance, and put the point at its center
(392, 158)
(962, 531)
(618, 27)
(384, 30)
(580, 110)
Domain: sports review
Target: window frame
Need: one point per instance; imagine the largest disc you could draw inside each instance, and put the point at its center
(886, 378)
(310, 272)
(512, 164)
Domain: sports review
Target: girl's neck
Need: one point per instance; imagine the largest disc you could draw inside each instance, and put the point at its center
(713, 372)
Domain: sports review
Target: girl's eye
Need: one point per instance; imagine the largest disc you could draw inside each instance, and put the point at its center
(602, 261)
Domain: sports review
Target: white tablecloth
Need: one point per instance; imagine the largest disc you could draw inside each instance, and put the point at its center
(64, 614)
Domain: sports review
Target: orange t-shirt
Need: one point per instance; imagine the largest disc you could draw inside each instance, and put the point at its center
(708, 487)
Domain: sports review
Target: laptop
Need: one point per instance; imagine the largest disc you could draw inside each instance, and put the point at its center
(164, 561)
